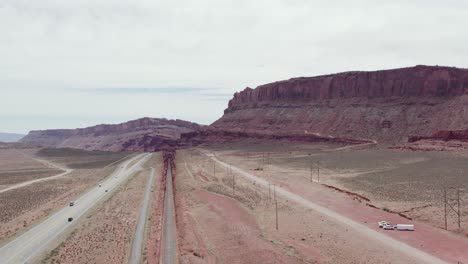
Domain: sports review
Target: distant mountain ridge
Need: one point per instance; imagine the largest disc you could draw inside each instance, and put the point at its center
(144, 134)
(10, 137)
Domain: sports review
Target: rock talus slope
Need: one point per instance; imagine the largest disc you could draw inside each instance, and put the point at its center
(387, 106)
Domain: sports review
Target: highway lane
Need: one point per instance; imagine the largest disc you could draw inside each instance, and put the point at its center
(32, 243)
(169, 242)
(137, 242)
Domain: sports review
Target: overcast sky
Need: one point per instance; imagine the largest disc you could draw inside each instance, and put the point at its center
(67, 64)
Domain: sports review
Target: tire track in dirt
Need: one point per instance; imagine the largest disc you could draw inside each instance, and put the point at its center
(398, 245)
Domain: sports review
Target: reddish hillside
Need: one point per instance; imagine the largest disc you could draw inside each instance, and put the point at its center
(386, 106)
(141, 134)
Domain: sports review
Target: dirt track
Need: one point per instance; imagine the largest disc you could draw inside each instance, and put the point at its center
(404, 248)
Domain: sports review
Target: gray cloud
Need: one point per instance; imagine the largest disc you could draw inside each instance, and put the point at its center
(54, 50)
(151, 90)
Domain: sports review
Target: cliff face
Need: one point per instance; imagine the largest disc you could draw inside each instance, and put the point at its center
(386, 106)
(141, 134)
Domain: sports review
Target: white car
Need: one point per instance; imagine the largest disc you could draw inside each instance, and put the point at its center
(388, 227)
(382, 223)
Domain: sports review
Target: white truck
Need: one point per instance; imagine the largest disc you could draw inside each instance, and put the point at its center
(404, 227)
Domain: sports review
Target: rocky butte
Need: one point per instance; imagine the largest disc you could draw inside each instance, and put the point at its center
(145, 134)
(387, 106)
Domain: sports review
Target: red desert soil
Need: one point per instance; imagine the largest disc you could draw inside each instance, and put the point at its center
(106, 233)
(17, 160)
(425, 238)
(217, 225)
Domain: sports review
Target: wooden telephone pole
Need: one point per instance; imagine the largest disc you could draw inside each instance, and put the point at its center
(310, 166)
(276, 206)
(233, 182)
(269, 191)
(318, 171)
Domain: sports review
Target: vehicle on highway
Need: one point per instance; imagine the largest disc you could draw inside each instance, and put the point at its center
(388, 227)
(100, 185)
(106, 190)
(70, 219)
(72, 203)
(404, 227)
(382, 223)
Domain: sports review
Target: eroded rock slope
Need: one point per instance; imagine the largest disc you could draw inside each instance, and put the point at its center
(387, 106)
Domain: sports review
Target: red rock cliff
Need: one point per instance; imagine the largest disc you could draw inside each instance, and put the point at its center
(386, 106)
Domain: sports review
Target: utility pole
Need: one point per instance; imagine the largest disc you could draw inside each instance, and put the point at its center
(445, 207)
(310, 166)
(318, 171)
(269, 191)
(263, 160)
(274, 192)
(214, 168)
(449, 202)
(458, 202)
(233, 185)
(276, 206)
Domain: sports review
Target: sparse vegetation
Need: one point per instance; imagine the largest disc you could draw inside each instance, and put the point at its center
(81, 159)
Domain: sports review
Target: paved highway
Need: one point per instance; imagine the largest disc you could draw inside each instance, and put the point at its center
(169, 226)
(137, 242)
(32, 243)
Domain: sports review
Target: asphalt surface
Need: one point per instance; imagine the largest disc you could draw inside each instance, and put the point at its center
(372, 234)
(35, 241)
(137, 242)
(169, 242)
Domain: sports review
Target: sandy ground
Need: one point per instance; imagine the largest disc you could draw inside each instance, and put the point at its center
(81, 159)
(290, 168)
(217, 224)
(12, 160)
(105, 235)
(10, 178)
(387, 177)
